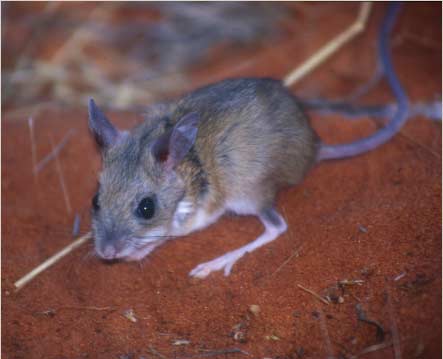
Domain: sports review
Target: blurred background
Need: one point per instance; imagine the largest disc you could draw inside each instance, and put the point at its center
(130, 54)
(125, 53)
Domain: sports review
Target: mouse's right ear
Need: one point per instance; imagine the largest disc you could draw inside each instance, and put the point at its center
(171, 147)
(105, 133)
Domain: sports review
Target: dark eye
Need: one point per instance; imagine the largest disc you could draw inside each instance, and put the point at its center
(146, 208)
(95, 204)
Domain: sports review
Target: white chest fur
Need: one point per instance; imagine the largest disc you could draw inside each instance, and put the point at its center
(188, 219)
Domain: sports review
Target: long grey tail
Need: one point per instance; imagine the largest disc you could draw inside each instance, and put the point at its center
(328, 152)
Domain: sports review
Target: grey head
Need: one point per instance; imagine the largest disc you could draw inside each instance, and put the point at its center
(139, 187)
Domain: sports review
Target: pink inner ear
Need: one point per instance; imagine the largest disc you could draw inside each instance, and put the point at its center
(162, 156)
(160, 148)
(165, 159)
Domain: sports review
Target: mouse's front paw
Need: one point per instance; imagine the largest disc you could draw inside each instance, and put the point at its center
(225, 262)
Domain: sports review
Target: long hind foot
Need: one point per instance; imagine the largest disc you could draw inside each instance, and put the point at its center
(274, 226)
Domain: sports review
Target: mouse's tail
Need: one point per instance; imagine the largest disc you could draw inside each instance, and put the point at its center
(328, 152)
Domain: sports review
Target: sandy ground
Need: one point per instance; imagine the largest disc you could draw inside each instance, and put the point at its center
(374, 218)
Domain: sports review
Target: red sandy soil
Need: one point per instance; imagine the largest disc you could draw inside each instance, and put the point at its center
(375, 218)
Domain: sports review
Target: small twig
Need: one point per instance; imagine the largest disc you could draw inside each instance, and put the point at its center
(354, 296)
(424, 147)
(351, 282)
(296, 253)
(400, 276)
(371, 349)
(320, 298)
(48, 312)
(53, 311)
(156, 353)
(394, 328)
(89, 308)
(61, 179)
(50, 261)
(54, 153)
(216, 353)
(331, 47)
(421, 40)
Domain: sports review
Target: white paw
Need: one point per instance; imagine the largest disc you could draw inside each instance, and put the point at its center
(224, 262)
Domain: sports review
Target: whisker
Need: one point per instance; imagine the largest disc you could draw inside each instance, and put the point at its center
(54, 153)
(62, 180)
(33, 147)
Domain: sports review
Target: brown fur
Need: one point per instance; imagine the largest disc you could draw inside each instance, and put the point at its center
(252, 140)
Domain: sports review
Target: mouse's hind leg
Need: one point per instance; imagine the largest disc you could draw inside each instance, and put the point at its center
(274, 226)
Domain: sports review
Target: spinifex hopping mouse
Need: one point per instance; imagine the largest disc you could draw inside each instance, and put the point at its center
(226, 147)
(229, 146)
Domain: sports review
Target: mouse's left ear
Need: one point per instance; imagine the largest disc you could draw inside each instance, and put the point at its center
(105, 133)
(174, 145)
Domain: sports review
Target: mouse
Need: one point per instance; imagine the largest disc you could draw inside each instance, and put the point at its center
(230, 146)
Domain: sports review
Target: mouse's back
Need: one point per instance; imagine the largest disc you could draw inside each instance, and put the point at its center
(253, 138)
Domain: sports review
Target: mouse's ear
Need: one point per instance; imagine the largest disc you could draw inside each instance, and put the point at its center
(171, 147)
(105, 133)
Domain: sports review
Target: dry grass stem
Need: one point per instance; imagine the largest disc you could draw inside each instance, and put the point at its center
(331, 47)
(348, 282)
(54, 153)
(424, 147)
(319, 297)
(90, 308)
(156, 353)
(52, 260)
(371, 349)
(209, 353)
(296, 253)
(394, 327)
(61, 179)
